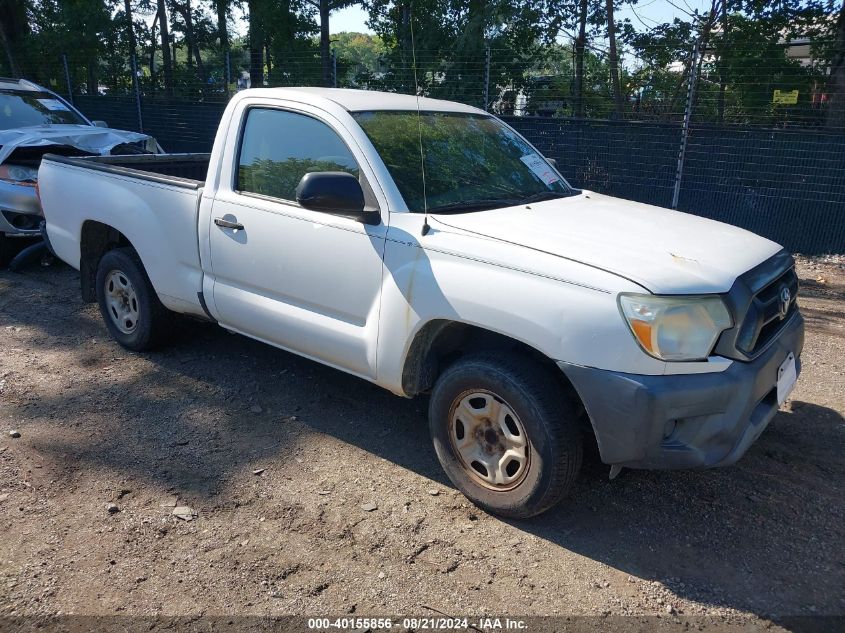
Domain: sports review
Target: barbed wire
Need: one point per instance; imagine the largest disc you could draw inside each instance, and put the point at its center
(781, 92)
(762, 149)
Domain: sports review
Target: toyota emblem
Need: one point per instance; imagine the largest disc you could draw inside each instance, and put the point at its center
(785, 300)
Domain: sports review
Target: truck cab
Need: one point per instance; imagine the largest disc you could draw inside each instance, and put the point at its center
(427, 247)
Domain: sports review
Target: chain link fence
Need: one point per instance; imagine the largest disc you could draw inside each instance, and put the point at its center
(745, 136)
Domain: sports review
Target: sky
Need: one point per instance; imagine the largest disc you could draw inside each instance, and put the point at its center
(645, 13)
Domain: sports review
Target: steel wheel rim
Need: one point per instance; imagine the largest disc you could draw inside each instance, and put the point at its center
(121, 301)
(489, 439)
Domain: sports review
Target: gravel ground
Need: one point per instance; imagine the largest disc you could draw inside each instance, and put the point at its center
(312, 492)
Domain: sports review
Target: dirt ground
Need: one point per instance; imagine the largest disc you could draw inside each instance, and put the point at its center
(278, 457)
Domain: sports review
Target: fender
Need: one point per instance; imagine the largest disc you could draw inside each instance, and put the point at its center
(425, 279)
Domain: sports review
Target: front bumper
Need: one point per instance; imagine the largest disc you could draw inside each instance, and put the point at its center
(687, 420)
(20, 211)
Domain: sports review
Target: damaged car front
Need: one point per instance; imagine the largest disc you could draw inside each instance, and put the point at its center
(34, 122)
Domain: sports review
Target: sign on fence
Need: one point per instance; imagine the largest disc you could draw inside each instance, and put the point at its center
(785, 97)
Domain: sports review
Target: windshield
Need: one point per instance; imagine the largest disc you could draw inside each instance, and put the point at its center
(24, 108)
(472, 162)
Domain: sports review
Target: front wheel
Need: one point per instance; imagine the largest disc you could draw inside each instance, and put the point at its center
(505, 433)
(128, 302)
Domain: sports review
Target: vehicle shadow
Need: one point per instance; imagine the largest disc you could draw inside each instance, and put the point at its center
(723, 537)
(187, 418)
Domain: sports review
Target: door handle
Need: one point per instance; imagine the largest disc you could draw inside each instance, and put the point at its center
(228, 224)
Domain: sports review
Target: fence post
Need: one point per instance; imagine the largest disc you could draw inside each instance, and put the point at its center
(693, 79)
(228, 71)
(487, 79)
(67, 79)
(137, 88)
(334, 68)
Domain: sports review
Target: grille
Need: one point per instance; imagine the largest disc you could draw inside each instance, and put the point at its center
(768, 313)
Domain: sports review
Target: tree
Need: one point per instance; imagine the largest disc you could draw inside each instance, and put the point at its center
(580, 45)
(130, 26)
(256, 43)
(79, 28)
(222, 10)
(450, 39)
(615, 86)
(836, 92)
(358, 57)
(187, 26)
(324, 9)
(14, 27)
(166, 60)
(721, 53)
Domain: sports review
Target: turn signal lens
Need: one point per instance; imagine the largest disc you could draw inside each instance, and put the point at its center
(675, 328)
(642, 331)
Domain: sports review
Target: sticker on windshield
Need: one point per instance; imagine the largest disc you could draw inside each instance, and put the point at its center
(54, 105)
(540, 167)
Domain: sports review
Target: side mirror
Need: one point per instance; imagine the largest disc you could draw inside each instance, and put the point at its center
(99, 124)
(552, 162)
(335, 192)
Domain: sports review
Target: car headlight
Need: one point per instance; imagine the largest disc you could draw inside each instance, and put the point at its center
(19, 174)
(675, 328)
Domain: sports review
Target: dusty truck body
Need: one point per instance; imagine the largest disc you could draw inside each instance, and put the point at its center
(532, 312)
(35, 121)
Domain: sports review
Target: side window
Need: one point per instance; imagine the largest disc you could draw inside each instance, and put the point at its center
(279, 147)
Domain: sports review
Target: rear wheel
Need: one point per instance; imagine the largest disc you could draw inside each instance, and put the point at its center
(128, 302)
(505, 433)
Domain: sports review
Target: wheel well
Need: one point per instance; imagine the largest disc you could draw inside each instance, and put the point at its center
(97, 239)
(441, 342)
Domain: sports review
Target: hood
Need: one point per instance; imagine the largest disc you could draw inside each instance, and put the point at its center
(665, 251)
(85, 138)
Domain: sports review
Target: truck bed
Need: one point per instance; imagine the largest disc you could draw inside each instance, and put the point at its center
(152, 201)
(185, 170)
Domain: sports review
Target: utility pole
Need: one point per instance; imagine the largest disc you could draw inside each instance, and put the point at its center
(334, 68)
(487, 79)
(67, 79)
(136, 84)
(693, 80)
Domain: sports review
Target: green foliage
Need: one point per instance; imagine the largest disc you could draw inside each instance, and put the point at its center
(447, 42)
(440, 48)
(279, 178)
(754, 64)
(359, 58)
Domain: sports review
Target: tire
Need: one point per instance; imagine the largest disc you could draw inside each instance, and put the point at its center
(518, 483)
(6, 250)
(11, 246)
(128, 302)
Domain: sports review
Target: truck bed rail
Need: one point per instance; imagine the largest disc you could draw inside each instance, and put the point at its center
(180, 170)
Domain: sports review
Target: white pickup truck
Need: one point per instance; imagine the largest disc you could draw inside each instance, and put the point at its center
(533, 313)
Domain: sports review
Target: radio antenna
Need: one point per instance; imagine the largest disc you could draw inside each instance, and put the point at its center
(425, 227)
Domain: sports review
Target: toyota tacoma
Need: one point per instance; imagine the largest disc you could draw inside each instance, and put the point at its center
(427, 247)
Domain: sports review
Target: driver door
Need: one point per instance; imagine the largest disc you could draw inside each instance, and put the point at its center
(300, 279)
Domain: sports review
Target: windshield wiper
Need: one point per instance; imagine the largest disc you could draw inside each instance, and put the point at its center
(543, 195)
(474, 205)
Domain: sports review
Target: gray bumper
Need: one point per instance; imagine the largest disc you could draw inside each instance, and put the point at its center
(685, 421)
(17, 200)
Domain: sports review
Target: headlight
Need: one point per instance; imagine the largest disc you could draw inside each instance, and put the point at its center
(19, 174)
(675, 328)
